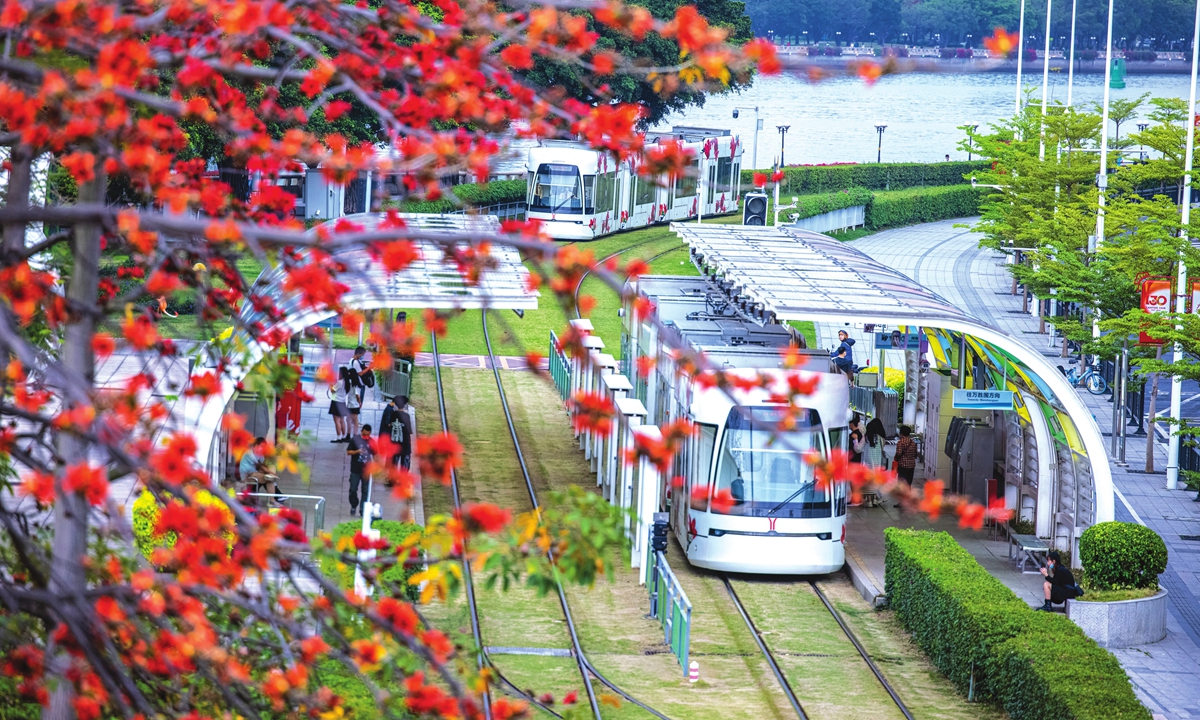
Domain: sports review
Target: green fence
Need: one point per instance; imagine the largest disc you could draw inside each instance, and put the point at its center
(560, 368)
(670, 604)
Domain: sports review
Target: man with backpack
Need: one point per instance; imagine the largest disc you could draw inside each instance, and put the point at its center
(363, 374)
(398, 425)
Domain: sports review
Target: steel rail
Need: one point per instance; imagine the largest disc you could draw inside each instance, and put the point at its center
(861, 650)
(481, 654)
(762, 645)
(585, 666)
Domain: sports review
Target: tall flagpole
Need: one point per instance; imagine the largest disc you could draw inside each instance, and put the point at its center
(1102, 176)
(1181, 289)
(1020, 56)
(1045, 84)
(1071, 58)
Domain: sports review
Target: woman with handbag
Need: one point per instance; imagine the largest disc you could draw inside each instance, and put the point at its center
(337, 406)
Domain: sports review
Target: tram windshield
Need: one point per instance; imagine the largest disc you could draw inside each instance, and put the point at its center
(762, 468)
(557, 189)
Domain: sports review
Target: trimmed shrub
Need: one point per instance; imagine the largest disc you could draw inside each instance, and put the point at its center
(947, 53)
(810, 179)
(471, 195)
(393, 531)
(1039, 667)
(964, 53)
(1087, 55)
(918, 205)
(832, 51)
(1051, 670)
(1141, 55)
(1122, 556)
(896, 51)
(146, 510)
(811, 205)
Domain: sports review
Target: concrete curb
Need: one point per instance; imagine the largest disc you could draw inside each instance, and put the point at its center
(864, 582)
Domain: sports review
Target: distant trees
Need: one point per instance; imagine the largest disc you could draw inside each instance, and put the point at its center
(1160, 24)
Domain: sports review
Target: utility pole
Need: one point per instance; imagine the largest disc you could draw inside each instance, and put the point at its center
(1181, 286)
(1071, 59)
(1020, 56)
(1102, 176)
(1045, 84)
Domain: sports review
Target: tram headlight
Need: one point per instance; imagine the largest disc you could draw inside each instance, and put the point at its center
(824, 536)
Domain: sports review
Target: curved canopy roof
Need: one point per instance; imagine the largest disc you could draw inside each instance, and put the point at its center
(798, 274)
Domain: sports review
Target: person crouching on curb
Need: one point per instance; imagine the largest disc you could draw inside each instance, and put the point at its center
(359, 450)
(1060, 583)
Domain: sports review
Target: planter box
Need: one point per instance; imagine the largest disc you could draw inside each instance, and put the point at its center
(1124, 623)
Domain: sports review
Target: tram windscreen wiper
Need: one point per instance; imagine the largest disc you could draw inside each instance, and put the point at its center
(790, 498)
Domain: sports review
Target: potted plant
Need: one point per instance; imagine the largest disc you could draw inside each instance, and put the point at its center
(1123, 604)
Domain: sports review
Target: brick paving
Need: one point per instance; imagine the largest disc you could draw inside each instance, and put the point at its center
(947, 260)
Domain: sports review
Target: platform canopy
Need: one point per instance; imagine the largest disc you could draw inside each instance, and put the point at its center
(430, 282)
(794, 274)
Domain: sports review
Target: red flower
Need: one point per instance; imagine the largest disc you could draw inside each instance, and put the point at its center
(88, 480)
(140, 332)
(103, 345)
(760, 180)
(486, 517)
(722, 501)
(592, 412)
(203, 385)
(336, 109)
(970, 515)
(439, 455)
(1001, 41)
(398, 613)
(40, 487)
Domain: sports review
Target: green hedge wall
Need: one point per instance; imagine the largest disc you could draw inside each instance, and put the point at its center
(809, 179)
(392, 530)
(919, 205)
(471, 194)
(1037, 666)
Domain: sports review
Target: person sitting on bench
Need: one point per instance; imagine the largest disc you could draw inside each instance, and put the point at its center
(1060, 583)
(253, 469)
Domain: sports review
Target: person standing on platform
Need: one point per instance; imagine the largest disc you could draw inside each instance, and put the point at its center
(856, 438)
(364, 376)
(353, 388)
(873, 455)
(337, 406)
(359, 450)
(398, 425)
(847, 342)
(906, 456)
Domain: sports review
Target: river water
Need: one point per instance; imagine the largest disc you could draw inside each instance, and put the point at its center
(834, 121)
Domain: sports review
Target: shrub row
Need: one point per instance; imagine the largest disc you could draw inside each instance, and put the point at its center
(472, 195)
(809, 179)
(918, 205)
(394, 532)
(1141, 55)
(1038, 666)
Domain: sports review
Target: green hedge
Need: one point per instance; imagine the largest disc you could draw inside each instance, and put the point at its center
(810, 205)
(1122, 556)
(920, 205)
(809, 179)
(1037, 666)
(394, 532)
(471, 194)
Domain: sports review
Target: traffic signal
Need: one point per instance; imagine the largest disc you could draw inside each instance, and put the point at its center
(754, 208)
(658, 533)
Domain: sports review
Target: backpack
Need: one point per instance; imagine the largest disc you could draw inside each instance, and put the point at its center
(399, 431)
(369, 379)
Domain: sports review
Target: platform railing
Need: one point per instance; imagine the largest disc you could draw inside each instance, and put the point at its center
(670, 604)
(560, 368)
(311, 507)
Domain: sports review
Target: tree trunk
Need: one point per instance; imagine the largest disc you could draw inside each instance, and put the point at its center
(17, 194)
(71, 508)
(1150, 439)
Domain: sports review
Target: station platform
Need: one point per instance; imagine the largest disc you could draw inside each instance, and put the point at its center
(865, 550)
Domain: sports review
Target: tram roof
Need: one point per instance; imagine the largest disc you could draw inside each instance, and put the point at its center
(797, 274)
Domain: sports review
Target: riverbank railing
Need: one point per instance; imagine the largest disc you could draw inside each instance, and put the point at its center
(670, 604)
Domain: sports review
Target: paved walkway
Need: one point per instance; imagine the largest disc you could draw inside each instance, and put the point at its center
(948, 260)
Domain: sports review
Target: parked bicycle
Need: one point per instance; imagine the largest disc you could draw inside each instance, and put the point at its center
(1090, 378)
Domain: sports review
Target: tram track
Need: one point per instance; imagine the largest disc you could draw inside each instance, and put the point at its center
(584, 276)
(778, 671)
(586, 669)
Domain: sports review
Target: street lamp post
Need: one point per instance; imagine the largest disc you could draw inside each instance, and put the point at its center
(757, 127)
(1045, 88)
(1141, 149)
(880, 127)
(974, 126)
(1020, 57)
(782, 134)
(1071, 56)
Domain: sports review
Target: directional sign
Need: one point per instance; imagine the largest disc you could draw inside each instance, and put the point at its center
(983, 399)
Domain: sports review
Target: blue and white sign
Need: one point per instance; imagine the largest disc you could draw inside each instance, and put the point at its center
(983, 399)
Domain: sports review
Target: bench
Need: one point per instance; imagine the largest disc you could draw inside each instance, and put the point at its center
(1026, 549)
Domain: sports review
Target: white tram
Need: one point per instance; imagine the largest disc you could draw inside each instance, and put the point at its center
(779, 523)
(580, 194)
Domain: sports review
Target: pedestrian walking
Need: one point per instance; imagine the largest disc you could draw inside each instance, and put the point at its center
(359, 450)
(337, 406)
(873, 455)
(352, 386)
(906, 456)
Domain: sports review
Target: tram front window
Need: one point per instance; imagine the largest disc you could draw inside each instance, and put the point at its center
(762, 468)
(557, 189)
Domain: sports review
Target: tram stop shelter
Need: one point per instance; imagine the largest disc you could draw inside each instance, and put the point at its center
(431, 281)
(993, 417)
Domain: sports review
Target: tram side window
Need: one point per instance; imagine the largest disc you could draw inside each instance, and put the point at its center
(606, 186)
(589, 194)
(685, 186)
(724, 174)
(706, 441)
(762, 469)
(557, 189)
(645, 191)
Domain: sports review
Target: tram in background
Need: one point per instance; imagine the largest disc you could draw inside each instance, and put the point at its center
(779, 522)
(581, 194)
